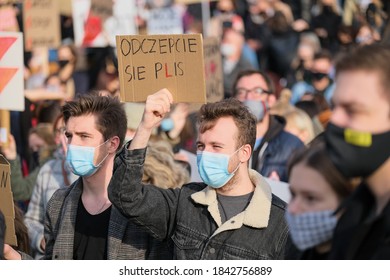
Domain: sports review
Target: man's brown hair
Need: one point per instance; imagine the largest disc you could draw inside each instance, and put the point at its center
(373, 58)
(231, 107)
(250, 72)
(110, 115)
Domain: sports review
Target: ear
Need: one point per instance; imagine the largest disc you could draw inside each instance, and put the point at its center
(245, 153)
(304, 135)
(113, 144)
(271, 100)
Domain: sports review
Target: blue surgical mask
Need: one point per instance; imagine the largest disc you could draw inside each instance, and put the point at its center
(311, 229)
(167, 124)
(213, 168)
(80, 159)
(257, 107)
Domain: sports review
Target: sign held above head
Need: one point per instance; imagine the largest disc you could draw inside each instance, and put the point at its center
(148, 63)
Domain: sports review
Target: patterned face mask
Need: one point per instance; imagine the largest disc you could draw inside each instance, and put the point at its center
(310, 229)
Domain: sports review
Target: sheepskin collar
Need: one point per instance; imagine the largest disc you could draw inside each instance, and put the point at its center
(255, 215)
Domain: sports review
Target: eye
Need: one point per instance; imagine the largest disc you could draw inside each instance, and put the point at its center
(200, 147)
(350, 111)
(259, 90)
(310, 199)
(241, 91)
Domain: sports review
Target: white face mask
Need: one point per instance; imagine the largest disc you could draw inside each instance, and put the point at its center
(227, 49)
(228, 66)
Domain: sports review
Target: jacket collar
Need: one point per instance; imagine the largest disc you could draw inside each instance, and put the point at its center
(276, 125)
(255, 215)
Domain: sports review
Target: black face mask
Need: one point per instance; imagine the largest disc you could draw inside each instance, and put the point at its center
(327, 9)
(62, 63)
(318, 75)
(355, 153)
(307, 76)
(35, 157)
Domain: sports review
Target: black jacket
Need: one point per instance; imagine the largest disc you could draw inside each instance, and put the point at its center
(275, 149)
(360, 233)
(189, 216)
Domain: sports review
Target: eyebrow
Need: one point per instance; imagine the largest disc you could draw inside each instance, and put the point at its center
(346, 104)
(351, 105)
(303, 192)
(211, 143)
(78, 133)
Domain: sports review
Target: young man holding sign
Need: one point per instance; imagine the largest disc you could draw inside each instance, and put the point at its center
(80, 221)
(232, 215)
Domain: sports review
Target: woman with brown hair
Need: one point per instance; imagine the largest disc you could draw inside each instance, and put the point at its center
(42, 145)
(317, 189)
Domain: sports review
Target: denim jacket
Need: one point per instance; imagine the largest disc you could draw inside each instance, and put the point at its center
(189, 216)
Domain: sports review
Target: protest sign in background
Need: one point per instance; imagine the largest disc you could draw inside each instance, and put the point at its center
(11, 71)
(41, 20)
(97, 22)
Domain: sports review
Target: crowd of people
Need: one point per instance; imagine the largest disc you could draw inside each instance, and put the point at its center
(306, 106)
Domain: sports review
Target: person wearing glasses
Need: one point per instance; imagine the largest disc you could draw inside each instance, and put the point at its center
(273, 145)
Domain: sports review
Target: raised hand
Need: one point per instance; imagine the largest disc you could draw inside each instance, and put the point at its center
(156, 107)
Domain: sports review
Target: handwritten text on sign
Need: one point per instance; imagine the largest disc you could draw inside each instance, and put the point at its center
(41, 20)
(149, 63)
(213, 69)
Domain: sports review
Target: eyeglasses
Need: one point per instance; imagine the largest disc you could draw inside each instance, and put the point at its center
(242, 92)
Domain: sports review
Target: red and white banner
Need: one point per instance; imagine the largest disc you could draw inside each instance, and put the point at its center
(11, 71)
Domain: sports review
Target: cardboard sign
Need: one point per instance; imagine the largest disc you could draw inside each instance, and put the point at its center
(148, 63)
(65, 7)
(213, 72)
(166, 20)
(7, 202)
(213, 69)
(97, 22)
(5, 126)
(41, 22)
(8, 20)
(11, 71)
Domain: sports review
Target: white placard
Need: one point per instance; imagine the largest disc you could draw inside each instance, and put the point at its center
(11, 71)
(122, 21)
